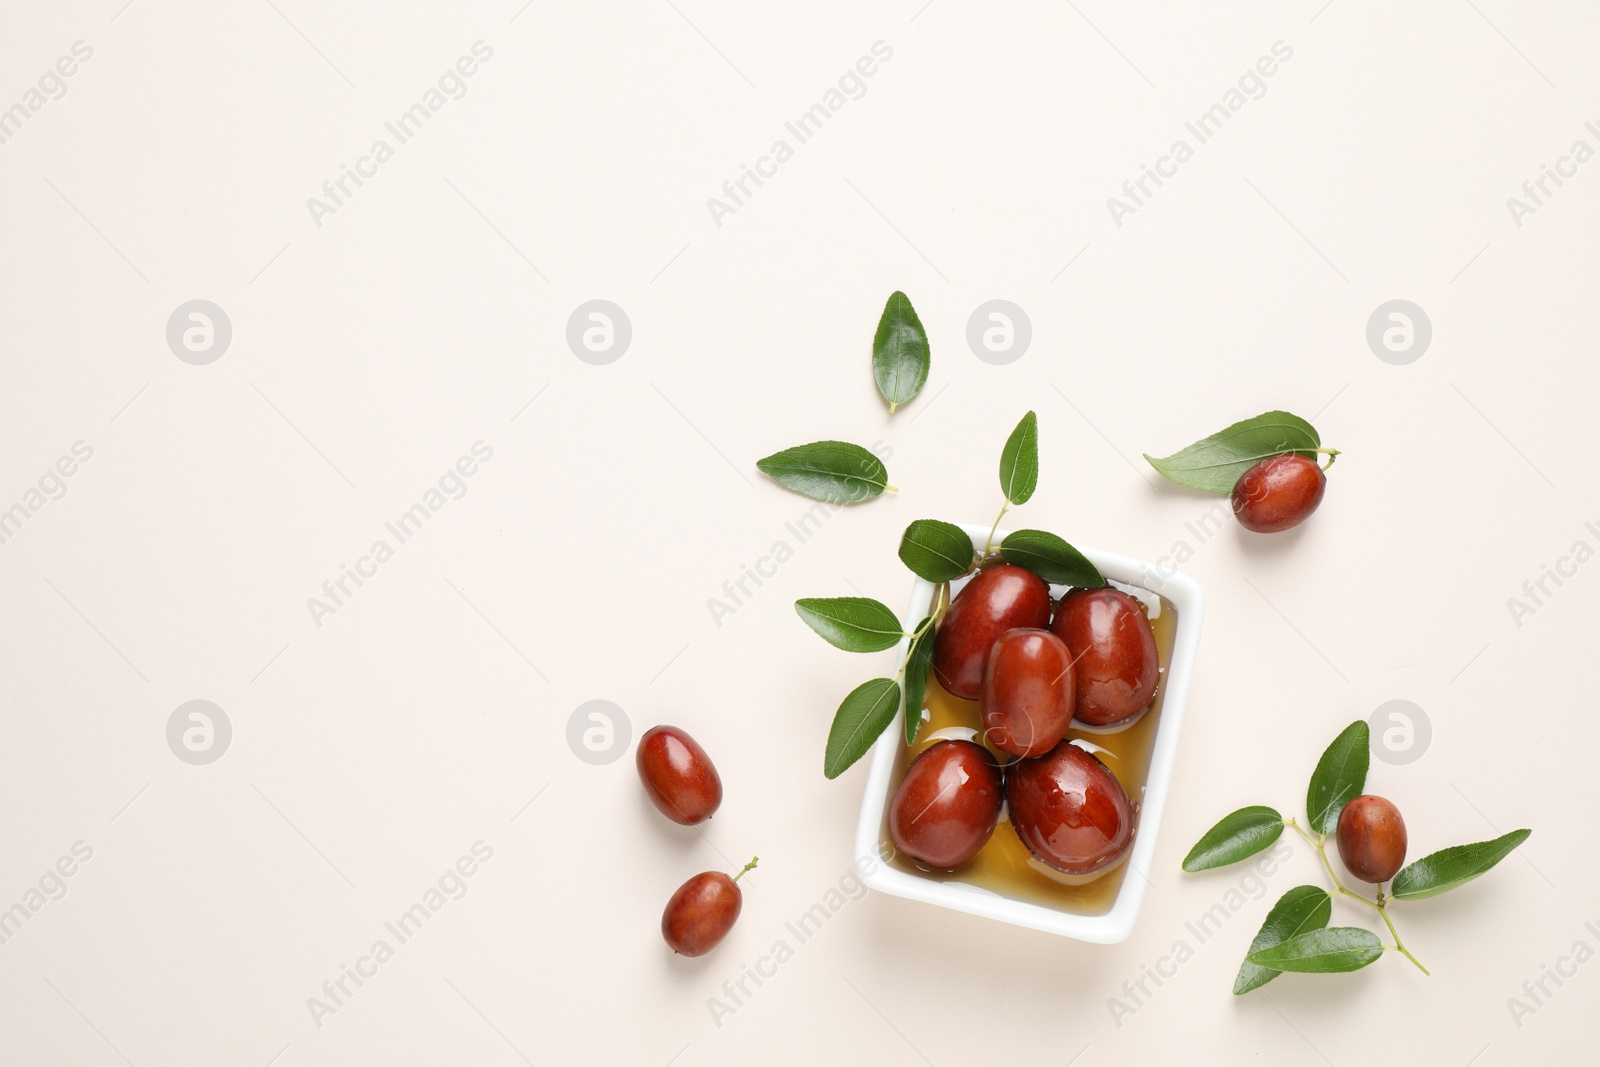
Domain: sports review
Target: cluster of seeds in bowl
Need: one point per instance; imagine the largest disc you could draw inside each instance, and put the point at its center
(1033, 675)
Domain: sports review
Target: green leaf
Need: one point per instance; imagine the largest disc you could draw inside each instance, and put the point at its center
(865, 713)
(936, 551)
(1019, 461)
(1238, 836)
(1050, 558)
(837, 472)
(1215, 463)
(1450, 867)
(853, 623)
(899, 352)
(1329, 951)
(920, 659)
(1300, 910)
(1339, 778)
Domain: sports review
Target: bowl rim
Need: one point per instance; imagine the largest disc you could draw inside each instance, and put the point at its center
(1116, 924)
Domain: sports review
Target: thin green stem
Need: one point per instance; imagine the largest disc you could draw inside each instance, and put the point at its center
(1321, 845)
(911, 650)
(752, 863)
(987, 545)
(1331, 453)
(1398, 944)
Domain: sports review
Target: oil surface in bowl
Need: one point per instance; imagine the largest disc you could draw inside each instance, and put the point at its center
(1004, 865)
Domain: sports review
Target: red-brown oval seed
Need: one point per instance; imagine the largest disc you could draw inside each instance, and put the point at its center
(678, 775)
(701, 913)
(1114, 653)
(1027, 696)
(1069, 810)
(1372, 838)
(947, 804)
(1278, 493)
(994, 600)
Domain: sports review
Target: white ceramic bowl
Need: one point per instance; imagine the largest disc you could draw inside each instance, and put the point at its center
(1117, 923)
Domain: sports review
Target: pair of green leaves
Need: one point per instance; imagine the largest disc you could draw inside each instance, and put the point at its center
(937, 551)
(860, 624)
(942, 552)
(838, 472)
(1213, 464)
(1296, 936)
(1043, 553)
(1340, 776)
(1302, 910)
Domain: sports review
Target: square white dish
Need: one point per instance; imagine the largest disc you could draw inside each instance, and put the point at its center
(1116, 924)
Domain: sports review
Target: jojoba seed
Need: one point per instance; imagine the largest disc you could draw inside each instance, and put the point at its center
(994, 600)
(678, 775)
(1069, 810)
(1278, 493)
(1372, 838)
(1027, 695)
(1114, 654)
(947, 804)
(702, 911)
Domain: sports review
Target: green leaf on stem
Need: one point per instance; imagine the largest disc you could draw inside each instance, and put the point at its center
(1213, 464)
(1339, 778)
(1238, 836)
(919, 660)
(836, 472)
(1300, 910)
(853, 623)
(899, 352)
(865, 713)
(1443, 870)
(1019, 461)
(1328, 951)
(1051, 558)
(936, 551)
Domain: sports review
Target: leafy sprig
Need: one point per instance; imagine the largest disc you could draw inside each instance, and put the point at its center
(941, 553)
(1296, 935)
(1213, 464)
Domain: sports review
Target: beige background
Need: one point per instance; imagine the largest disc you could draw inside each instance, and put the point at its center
(371, 752)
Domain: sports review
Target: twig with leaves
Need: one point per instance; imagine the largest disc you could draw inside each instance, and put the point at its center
(1296, 935)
